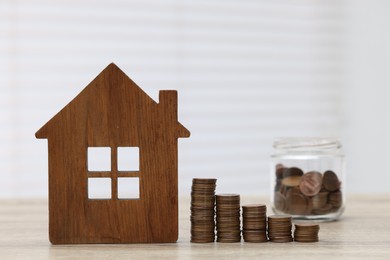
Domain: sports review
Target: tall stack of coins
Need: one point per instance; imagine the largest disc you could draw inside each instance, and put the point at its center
(310, 193)
(306, 232)
(254, 223)
(203, 210)
(279, 228)
(228, 218)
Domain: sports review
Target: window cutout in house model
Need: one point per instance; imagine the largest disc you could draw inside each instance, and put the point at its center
(99, 159)
(99, 188)
(128, 188)
(128, 159)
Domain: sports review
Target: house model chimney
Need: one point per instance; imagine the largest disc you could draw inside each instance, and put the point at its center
(168, 102)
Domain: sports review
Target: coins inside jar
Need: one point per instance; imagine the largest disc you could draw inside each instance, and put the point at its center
(309, 193)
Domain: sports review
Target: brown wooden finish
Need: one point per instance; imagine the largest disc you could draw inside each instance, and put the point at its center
(112, 111)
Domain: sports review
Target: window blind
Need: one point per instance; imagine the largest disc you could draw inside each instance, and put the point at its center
(246, 72)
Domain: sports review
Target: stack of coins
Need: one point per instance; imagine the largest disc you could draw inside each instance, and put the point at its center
(203, 210)
(306, 232)
(228, 218)
(254, 223)
(279, 228)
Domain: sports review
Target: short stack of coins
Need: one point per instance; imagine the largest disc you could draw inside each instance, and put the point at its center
(279, 228)
(228, 218)
(203, 210)
(254, 223)
(306, 232)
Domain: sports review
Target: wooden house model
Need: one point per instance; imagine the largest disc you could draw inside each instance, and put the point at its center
(137, 141)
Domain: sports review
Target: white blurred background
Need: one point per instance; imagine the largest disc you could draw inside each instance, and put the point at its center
(246, 72)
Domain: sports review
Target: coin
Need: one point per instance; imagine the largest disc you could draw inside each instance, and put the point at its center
(307, 227)
(311, 183)
(291, 181)
(254, 208)
(336, 199)
(293, 171)
(320, 200)
(204, 180)
(331, 181)
(293, 190)
(296, 204)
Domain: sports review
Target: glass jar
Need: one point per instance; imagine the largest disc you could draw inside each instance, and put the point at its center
(308, 178)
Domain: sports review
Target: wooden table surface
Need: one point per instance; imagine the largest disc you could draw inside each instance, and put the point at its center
(362, 232)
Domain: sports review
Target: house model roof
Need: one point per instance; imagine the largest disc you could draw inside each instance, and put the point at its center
(111, 79)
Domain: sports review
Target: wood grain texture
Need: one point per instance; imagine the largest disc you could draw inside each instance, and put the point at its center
(112, 111)
(363, 232)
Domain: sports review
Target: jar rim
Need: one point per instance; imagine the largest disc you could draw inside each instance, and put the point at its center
(307, 143)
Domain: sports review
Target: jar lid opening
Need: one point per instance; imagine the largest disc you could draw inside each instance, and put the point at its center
(307, 143)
